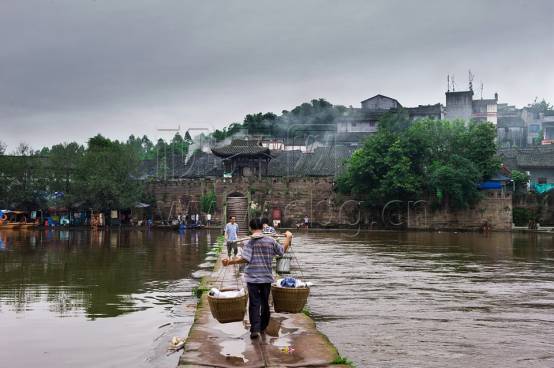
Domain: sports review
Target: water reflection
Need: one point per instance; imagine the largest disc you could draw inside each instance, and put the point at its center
(434, 299)
(113, 288)
(93, 271)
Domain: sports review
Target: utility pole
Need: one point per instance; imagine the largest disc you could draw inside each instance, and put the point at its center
(165, 150)
(177, 130)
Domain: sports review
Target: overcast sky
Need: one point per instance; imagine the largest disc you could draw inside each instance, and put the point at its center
(71, 69)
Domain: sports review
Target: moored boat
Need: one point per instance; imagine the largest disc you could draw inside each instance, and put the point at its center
(15, 220)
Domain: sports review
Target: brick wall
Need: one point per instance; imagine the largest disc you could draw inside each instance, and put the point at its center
(494, 209)
(315, 198)
(541, 205)
(296, 197)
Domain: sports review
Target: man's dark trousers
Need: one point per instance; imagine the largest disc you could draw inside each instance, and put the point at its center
(232, 247)
(258, 309)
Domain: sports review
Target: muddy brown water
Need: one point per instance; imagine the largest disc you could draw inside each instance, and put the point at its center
(115, 299)
(434, 299)
(96, 298)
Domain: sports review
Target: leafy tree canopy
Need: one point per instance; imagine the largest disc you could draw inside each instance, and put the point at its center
(436, 159)
(107, 174)
(520, 179)
(102, 175)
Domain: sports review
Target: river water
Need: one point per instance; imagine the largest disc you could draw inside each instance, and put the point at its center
(96, 298)
(114, 299)
(434, 299)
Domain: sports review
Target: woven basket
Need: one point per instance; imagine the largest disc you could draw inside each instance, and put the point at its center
(290, 300)
(227, 310)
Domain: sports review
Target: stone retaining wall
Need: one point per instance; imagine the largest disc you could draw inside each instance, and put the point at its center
(295, 197)
(314, 197)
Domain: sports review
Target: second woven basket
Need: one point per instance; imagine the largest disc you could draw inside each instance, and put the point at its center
(290, 300)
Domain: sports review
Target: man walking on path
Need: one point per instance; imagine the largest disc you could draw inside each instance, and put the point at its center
(258, 253)
(231, 235)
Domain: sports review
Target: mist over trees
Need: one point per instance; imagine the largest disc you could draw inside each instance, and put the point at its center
(308, 118)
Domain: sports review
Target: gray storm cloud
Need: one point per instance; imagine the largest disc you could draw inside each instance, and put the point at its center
(70, 69)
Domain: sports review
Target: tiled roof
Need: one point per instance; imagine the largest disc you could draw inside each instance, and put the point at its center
(535, 157)
(241, 147)
(283, 162)
(152, 168)
(383, 96)
(325, 161)
(202, 164)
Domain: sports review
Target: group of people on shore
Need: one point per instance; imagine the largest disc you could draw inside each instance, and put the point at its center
(257, 254)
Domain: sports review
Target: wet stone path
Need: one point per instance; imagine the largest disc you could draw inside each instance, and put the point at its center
(296, 341)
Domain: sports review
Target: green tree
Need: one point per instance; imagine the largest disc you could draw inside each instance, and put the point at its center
(179, 145)
(136, 144)
(454, 182)
(108, 174)
(208, 202)
(22, 179)
(521, 180)
(62, 161)
(147, 148)
(428, 158)
(477, 145)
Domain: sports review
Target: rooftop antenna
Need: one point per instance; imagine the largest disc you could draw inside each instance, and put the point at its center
(481, 90)
(470, 78)
(453, 84)
(448, 82)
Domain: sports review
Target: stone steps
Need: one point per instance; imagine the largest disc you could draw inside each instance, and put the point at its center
(238, 207)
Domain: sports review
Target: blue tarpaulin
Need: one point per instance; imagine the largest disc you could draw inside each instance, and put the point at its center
(490, 184)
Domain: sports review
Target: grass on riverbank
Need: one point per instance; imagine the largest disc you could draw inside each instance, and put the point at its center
(343, 361)
(203, 286)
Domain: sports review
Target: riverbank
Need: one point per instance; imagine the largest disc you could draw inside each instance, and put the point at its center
(296, 341)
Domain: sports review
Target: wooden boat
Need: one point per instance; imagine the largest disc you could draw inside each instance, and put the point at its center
(15, 220)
